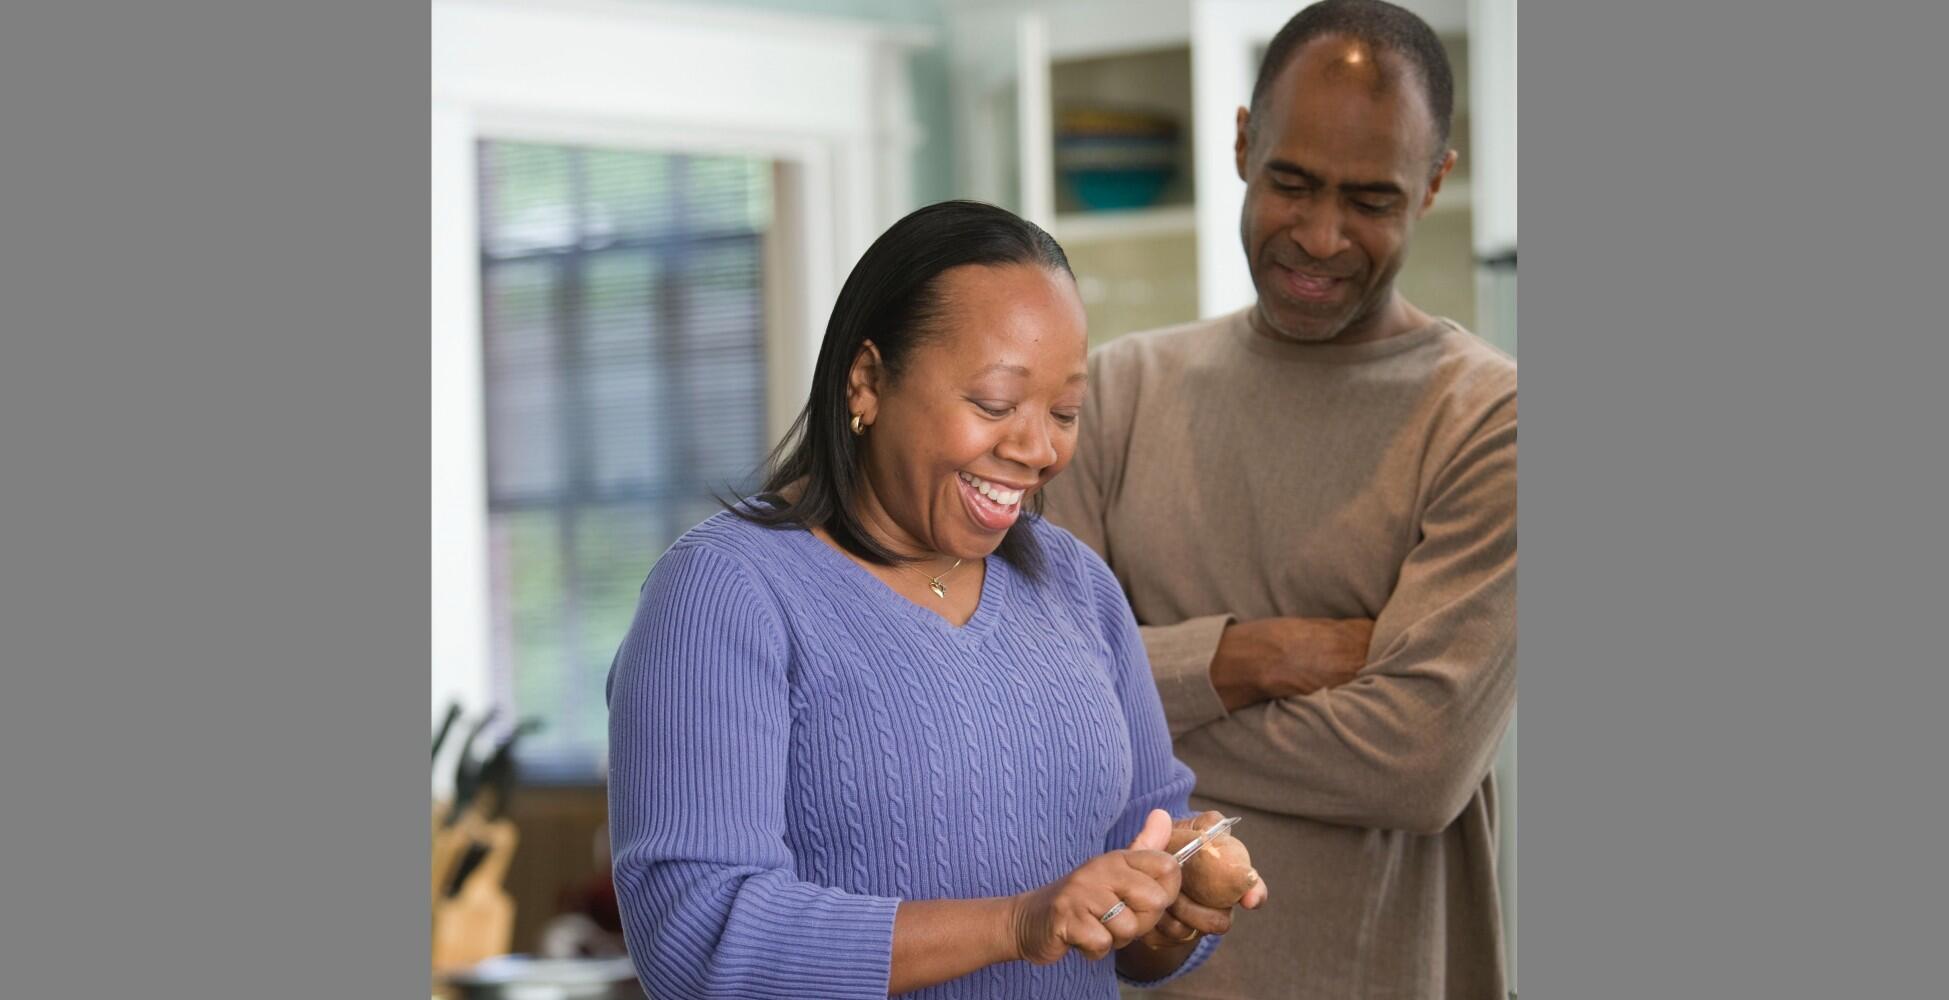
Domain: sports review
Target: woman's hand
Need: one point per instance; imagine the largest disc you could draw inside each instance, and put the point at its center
(1067, 913)
(1185, 919)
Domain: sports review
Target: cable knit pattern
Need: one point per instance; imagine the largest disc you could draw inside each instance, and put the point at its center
(795, 748)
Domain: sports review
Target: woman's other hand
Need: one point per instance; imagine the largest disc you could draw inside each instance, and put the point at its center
(1067, 913)
(1184, 919)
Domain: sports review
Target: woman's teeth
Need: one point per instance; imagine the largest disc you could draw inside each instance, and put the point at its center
(1007, 498)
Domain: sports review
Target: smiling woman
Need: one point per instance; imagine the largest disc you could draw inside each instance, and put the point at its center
(954, 358)
(974, 416)
(880, 728)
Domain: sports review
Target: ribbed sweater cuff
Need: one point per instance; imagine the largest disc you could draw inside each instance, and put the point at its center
(1180, 659)
(840, 948)
(800, 940)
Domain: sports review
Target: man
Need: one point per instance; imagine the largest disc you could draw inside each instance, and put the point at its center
(1312, 506)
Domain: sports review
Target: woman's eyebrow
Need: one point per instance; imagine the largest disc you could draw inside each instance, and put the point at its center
(1021, 372)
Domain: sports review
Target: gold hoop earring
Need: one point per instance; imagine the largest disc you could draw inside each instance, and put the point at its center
(858, 427)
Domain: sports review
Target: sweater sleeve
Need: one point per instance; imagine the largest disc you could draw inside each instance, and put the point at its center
(1078, 500)
(698, 730)
(1180, 660)
(1405, 744)
(1158, 779)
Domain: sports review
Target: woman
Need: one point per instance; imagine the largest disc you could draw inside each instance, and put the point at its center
(851, 754)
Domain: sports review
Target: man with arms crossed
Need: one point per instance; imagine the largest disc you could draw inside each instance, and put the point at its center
(1311, 504)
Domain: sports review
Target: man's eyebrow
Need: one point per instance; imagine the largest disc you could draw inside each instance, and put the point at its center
(1373, 187)
(1289, 167)
(1359, 187)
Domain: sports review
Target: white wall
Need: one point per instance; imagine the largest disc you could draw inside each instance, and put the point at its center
(1492, 83)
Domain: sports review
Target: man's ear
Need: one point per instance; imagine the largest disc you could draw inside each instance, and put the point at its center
(1434, 183)
(864, 382)
(1240, 144)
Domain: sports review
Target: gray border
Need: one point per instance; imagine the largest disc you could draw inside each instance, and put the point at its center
(213, 396)
(1730, 497)
(212, 410)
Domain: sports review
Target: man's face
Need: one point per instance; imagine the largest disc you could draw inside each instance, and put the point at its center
(1342, 167)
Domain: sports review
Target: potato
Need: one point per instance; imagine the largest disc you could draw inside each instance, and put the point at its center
(1219, 874)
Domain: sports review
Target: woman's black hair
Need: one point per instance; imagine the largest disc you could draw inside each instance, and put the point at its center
(893, 298)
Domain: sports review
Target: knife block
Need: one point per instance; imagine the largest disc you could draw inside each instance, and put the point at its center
(477, 922)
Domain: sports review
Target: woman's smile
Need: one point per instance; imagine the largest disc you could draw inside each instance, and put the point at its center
(992, 506)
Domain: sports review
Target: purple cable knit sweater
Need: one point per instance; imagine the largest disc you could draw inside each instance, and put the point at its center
(794, 748)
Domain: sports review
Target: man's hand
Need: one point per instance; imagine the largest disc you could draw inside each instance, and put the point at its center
(1287, 657)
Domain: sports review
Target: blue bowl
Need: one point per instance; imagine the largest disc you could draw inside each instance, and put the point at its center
(1110, 189)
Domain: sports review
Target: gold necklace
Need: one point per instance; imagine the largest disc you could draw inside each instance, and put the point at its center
(934, 582)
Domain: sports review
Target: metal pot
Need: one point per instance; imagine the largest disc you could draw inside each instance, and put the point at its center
(519, 977)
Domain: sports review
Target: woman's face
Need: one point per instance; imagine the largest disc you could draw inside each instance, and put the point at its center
(982, 416)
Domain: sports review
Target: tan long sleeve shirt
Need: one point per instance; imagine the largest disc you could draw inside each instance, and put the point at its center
(1225, 476)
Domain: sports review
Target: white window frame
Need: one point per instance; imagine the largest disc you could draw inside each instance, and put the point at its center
(829, 101)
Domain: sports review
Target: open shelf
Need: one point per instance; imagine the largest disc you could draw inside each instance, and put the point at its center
(1136, 223)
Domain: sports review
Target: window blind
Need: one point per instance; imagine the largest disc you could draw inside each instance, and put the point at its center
(622, 317)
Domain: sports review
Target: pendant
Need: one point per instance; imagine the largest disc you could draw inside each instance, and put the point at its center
(939, 590)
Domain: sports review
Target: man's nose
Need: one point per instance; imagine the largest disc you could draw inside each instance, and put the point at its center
(1318, 231)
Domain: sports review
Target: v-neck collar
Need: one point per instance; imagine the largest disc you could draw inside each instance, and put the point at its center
(987, 609)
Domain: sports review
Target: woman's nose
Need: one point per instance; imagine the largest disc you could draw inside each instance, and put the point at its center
(1029, 444)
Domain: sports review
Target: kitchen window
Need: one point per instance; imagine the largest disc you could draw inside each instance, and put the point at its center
(623, 353)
